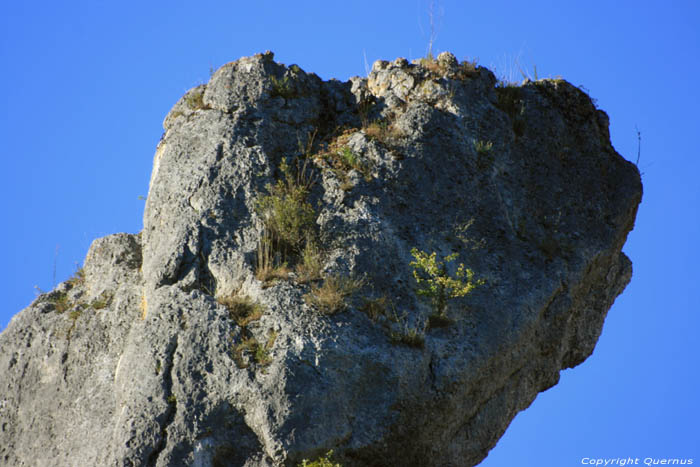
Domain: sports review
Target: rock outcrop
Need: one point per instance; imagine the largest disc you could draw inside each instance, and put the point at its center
(268, 311)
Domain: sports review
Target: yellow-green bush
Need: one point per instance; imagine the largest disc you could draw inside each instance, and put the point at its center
(324, 461)
(436, 284)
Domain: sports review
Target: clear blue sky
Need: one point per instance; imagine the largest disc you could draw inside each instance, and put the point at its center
(86, 86)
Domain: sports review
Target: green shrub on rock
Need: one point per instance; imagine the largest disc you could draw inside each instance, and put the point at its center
(324, 461)
(286, 211)
(436, 284)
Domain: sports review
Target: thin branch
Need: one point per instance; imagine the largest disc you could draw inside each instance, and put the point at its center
(367, 69)
(55, 260)
(435, 13)
(639, 145)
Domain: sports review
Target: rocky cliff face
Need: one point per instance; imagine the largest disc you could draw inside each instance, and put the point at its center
(268, 312)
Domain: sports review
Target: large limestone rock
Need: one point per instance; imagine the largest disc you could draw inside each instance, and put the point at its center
(136, 361)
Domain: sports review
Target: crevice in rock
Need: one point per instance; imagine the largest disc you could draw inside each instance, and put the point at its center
(433, 377)
(172, 405)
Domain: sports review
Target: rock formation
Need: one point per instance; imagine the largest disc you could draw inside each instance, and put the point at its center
(269, 310)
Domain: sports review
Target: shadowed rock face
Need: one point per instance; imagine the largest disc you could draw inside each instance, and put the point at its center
(137, 363)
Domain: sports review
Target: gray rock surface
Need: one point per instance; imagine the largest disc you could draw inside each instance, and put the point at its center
(136, 362)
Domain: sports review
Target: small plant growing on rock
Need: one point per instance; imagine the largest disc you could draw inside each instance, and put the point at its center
(103, 301)
(286, 211)
(311, 264)
(510, 101)
(324, 461)
(410, 337)
(281, 87)
(375, 307)
(438, 67)
(467, 67)
(268, 266)
(242, 309)
(382, 131)
(483, 153)
(483, 147)
(404, 334)
(436, 284)
(195, 100)
(251, 348)
(75, 313)
(78, 278)
(349, 158)
(343, 161)
(289, 222)
(330, 297)
(60, 302)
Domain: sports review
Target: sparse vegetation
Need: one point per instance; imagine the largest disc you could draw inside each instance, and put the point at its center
(324, 461)
(467, 67)
(375, 307)
(510, 101)
(364, 109)
(382, 131)
(311, 264)
(408, 336)
(402, 333)
(438, 69)
(282, 87)
(242, 309)
(343, 161)
(172, 399)
(349, 159)
(60, 301)
(268, 266)
(78, 278)
(509, 98)
(436, 284)
(285, 210)
(75, 313)
(103, 301)
(431, 64)
(483, 147)
(195, 100)
(289, 234)
(484, 158)
(331, 296)
(251, 349)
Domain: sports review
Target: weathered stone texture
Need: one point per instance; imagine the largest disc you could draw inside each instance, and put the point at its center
(140, 369)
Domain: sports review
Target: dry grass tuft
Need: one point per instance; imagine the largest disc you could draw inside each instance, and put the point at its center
(311, 265)
(330, 297)
(410, 337)
(242, 309)
(375, 307)
(382, 131)
(251, 349)
(267, 266)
